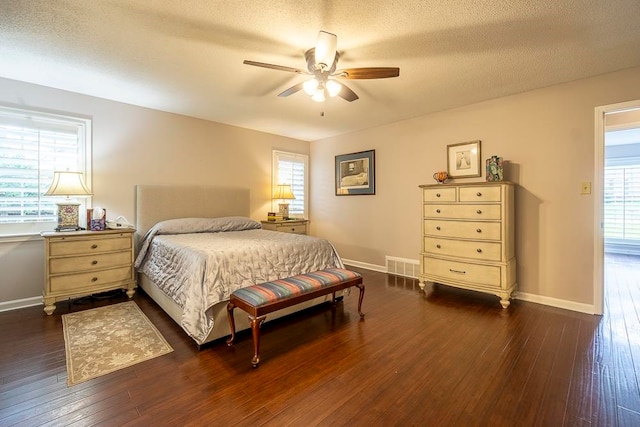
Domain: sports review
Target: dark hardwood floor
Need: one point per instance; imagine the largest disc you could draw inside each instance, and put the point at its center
(443, 357)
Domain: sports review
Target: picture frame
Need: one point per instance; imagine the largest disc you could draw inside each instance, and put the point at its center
(356, 173)
(463, 160)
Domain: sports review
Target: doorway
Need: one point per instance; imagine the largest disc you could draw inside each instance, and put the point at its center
(616, 196)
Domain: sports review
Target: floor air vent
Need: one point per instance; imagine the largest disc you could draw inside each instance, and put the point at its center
(403, 267)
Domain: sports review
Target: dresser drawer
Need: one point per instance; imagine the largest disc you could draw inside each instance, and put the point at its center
(463, 230)
(485, 275)
(477, 212)
(70, 282)
(443, 194)
(479, 250)
(88, 262)
(61, 246)
(293, 228)
(480, 194)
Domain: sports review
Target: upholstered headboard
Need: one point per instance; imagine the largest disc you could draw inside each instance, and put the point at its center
(155, 203)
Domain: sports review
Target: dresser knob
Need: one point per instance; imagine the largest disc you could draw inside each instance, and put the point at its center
(478, 211)
(478, 230)
(95, 279)
(438, 228)
(94, 262)
(437, 210)
(479, 194)
(94, 246)
(438, 246)
(437, 194)
(479, 250)
(293, 229)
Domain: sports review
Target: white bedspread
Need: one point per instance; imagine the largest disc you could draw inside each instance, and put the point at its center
(198, 270)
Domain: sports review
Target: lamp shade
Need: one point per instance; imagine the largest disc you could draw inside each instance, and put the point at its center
(325, 53)
(68, 184)
(283, 192)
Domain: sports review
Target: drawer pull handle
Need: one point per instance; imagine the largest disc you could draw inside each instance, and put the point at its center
(437, 210)
(437, 194)
(438, 246)
(479, 212)
(293, 229)
(94, 262)
(457, 271)
(94, 279)
(438, 228)
(479, 194)
(94, 246)
(479, 250)
(478, 230)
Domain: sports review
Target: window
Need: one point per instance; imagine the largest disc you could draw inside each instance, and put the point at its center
(33, 145)
(292, 168)
(622, 201)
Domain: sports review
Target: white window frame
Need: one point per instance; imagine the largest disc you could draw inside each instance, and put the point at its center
(294, 157)
(37, 119)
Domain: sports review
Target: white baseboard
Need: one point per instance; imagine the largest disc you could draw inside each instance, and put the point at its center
(555, 302)
(20, 303)
(537, 299)
(365, 265)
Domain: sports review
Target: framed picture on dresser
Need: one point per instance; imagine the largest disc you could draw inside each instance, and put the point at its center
(463, 159)
(356, 173)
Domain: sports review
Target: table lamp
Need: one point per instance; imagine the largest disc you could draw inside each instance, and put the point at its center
(68, 184)
(283, 192)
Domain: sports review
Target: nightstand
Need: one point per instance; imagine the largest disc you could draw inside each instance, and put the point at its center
(79, 263)
(296, 226)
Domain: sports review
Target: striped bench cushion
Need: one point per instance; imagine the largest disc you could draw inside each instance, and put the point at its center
(277, 290)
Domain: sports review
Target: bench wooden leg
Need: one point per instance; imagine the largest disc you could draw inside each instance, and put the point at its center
(232, 323)
(256, 322)
(361, 287)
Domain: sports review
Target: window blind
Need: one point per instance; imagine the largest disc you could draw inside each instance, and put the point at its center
(291, 168)
(32, 146)
(622, 202)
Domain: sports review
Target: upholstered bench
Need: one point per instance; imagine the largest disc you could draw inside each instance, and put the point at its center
(264, 298)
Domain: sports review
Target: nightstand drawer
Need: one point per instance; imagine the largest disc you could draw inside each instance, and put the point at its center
(79, 246)
(293, 228)
(71, 282)
(88, 262)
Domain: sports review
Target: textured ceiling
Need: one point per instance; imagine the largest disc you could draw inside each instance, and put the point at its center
(186, 56)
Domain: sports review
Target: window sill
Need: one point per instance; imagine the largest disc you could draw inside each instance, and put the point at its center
(26, 237)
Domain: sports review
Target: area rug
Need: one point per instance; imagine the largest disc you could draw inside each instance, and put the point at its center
(105, 339)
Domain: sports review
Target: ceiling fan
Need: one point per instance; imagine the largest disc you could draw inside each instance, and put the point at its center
(322, 61)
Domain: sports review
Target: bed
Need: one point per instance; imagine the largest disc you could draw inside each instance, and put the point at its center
(209, 228)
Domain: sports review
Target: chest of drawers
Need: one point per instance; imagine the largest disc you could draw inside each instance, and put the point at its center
(468, 237)
(86, 262)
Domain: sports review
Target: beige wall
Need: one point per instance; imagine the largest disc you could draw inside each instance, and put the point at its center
(133, 145)
(547, 137)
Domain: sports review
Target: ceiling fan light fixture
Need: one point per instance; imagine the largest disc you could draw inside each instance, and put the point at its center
(319, 95)
(326, 47)
(333, 87)
(310, 87)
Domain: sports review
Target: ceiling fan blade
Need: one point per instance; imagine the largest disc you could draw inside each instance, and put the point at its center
(368, 73)
(274, 67)
(347, 93)
(326, 47)
(293, 89)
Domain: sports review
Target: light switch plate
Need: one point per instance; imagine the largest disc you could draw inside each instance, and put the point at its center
(585, 188)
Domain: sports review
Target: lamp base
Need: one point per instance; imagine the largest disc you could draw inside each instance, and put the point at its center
(284, 210)
(68, 215)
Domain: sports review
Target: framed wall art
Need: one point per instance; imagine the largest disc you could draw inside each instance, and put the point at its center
(463, 160)
(356, 173)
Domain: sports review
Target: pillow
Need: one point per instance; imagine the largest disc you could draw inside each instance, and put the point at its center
(205, 225)
(195, 225)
